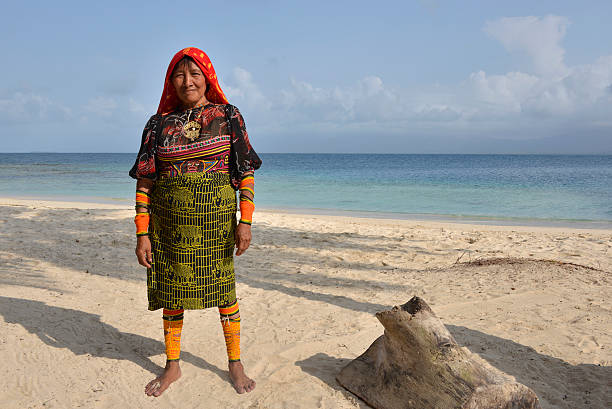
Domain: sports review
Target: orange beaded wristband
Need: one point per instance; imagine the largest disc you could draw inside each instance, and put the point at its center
(142, 224)
(247, 207)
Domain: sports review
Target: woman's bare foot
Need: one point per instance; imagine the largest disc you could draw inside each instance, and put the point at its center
(240, 381)
(158, 385)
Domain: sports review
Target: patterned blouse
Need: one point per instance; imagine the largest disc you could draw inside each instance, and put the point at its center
(209, 138)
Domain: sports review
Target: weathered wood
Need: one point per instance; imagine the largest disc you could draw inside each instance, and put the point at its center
(418, 364)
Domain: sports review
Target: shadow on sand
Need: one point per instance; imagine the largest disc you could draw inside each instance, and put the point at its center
(117, 244)
(84, 334)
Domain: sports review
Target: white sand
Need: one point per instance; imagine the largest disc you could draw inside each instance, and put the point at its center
(76, 331)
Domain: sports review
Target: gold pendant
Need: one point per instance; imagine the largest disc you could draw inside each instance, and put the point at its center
(192, 130)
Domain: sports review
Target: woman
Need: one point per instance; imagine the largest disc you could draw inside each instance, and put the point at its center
(194, 154)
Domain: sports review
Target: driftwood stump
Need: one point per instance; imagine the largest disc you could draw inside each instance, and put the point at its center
(418, 364)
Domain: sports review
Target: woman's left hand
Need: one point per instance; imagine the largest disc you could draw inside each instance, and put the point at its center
(243, 238)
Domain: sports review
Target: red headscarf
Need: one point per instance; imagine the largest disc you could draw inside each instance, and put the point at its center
(169, 99)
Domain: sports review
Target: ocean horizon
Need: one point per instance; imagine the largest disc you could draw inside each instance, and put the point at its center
(546, 189)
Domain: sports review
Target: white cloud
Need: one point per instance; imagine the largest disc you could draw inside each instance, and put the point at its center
(506, 101)
(505, 92)
(582, 92)
(552, 95)
(105, 113)
(540, 38)
(102, 106)
(136, 107)
(243, 88)
(27, 106)
(365, 101)
(438, 113)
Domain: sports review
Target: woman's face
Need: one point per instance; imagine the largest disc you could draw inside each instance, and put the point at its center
(189, 83)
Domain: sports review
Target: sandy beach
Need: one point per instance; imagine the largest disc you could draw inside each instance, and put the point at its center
(532, 301)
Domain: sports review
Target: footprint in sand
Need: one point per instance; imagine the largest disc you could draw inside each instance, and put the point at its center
(588, 344)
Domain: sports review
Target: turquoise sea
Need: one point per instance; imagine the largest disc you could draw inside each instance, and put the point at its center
(536, 189)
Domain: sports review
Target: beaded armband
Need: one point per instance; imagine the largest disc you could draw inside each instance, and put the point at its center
(143, 201)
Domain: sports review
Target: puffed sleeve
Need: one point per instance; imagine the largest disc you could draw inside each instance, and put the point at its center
(243, 157)
(144, 166)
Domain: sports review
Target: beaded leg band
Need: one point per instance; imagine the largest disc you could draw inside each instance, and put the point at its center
(230, 321)
(173, 327)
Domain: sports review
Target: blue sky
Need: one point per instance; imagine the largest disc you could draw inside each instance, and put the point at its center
(338, 76)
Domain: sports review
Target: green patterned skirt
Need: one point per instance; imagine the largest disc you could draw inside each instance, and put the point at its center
(193, 220)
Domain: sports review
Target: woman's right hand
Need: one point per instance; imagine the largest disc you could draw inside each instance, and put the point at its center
(143, 251)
